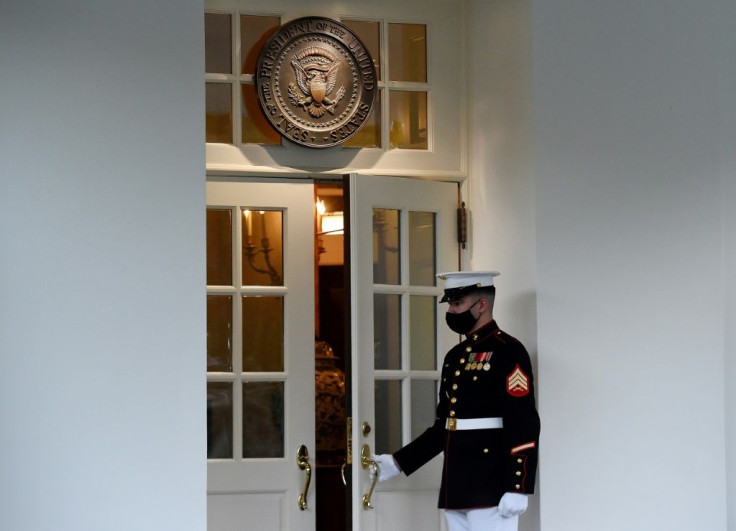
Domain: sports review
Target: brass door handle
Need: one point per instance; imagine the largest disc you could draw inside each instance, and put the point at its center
(367, 462)
(302, 461)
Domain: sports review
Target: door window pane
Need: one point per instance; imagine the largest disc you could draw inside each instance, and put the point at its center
(387, 331)
(369, 34)
(263, 248)
(219, 333)
(219, 247)
(369, 136)
(408, 116)
(407, 45)
(219, 420)
(219, 110)
(388, 416)
(263, 419)
(256, 129)
(217, 43)
(254, 32)
(421, 248)
(263, 334)
(423, 405)
(422, 330)
(386, 263)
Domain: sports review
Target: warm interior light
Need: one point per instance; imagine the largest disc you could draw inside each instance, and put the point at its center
(248, 225)
(320, 207)
(332, 223)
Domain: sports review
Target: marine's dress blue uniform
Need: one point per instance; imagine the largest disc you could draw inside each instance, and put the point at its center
(487, 375)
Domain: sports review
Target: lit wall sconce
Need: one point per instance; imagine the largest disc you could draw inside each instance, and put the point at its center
(332, 223)
(252, 251)
(329, 227)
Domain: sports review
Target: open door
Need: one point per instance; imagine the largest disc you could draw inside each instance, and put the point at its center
(260, 356)
(403, 232)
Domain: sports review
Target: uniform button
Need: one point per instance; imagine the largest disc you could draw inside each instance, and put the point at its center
(453, 400)
(519, 461)
(447, 364)
(444, 379)
(475, 337)
(452, 413)
(468, 349)
(518, 473)
(457, 373)
(475, 378)
(485, 450)
(462, 360)
(454, 387)
(518, 487)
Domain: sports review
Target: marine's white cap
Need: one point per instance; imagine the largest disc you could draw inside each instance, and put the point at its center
(460, 283)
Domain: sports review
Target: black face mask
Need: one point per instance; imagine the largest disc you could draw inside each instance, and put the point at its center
(462, 323)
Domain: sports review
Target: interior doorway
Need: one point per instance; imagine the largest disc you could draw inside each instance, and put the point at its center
(332, 356)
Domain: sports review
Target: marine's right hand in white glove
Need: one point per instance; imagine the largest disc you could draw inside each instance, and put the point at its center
(387, 467)
(512, 504)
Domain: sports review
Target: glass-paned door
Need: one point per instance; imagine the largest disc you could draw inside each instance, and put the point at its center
(403, 234)
(260, 364)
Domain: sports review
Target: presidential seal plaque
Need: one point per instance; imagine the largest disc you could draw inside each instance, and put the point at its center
(316, 82)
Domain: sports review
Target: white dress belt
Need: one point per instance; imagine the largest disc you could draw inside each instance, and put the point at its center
(487, 423)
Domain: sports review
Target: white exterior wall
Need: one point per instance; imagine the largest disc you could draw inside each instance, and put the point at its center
(500, 191)
(728, 199)
(102, 396)
(631, 167)
(630, 250)
(729, 266)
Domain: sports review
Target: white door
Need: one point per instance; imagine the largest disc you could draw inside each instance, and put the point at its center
(260, 355)
(403, 232)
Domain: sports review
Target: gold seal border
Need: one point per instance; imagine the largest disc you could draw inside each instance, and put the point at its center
(268, 66)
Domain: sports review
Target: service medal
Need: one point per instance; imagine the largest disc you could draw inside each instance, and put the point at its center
(487, 367)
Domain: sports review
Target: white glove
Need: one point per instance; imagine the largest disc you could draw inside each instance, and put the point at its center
(387, 467)
(512, 504)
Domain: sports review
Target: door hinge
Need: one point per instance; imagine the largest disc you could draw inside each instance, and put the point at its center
(462, 225)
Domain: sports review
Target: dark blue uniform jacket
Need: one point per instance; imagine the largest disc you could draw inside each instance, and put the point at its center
(487, 375)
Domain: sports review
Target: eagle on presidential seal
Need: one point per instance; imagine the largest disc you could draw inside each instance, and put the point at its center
(315, 70)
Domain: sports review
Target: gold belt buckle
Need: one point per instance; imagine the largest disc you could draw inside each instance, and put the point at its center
(452, 424)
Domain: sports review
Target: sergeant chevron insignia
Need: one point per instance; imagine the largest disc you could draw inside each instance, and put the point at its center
(517, 383)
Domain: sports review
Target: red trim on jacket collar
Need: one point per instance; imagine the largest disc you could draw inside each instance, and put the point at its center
(482, 333)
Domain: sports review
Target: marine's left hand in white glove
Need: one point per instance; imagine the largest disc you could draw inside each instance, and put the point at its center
(512, 504)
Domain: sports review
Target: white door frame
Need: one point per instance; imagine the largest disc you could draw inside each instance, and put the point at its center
(401, 502)
(264, 492)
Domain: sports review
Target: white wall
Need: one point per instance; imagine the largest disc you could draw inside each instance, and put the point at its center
(729, 266)
(500, 191)
(631, 165)
(102, 267)
(728, 200)
(634, 238)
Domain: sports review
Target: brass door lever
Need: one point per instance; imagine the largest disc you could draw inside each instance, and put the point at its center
(302, 461)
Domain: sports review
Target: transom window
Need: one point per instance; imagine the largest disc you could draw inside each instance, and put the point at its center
(399, 119)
